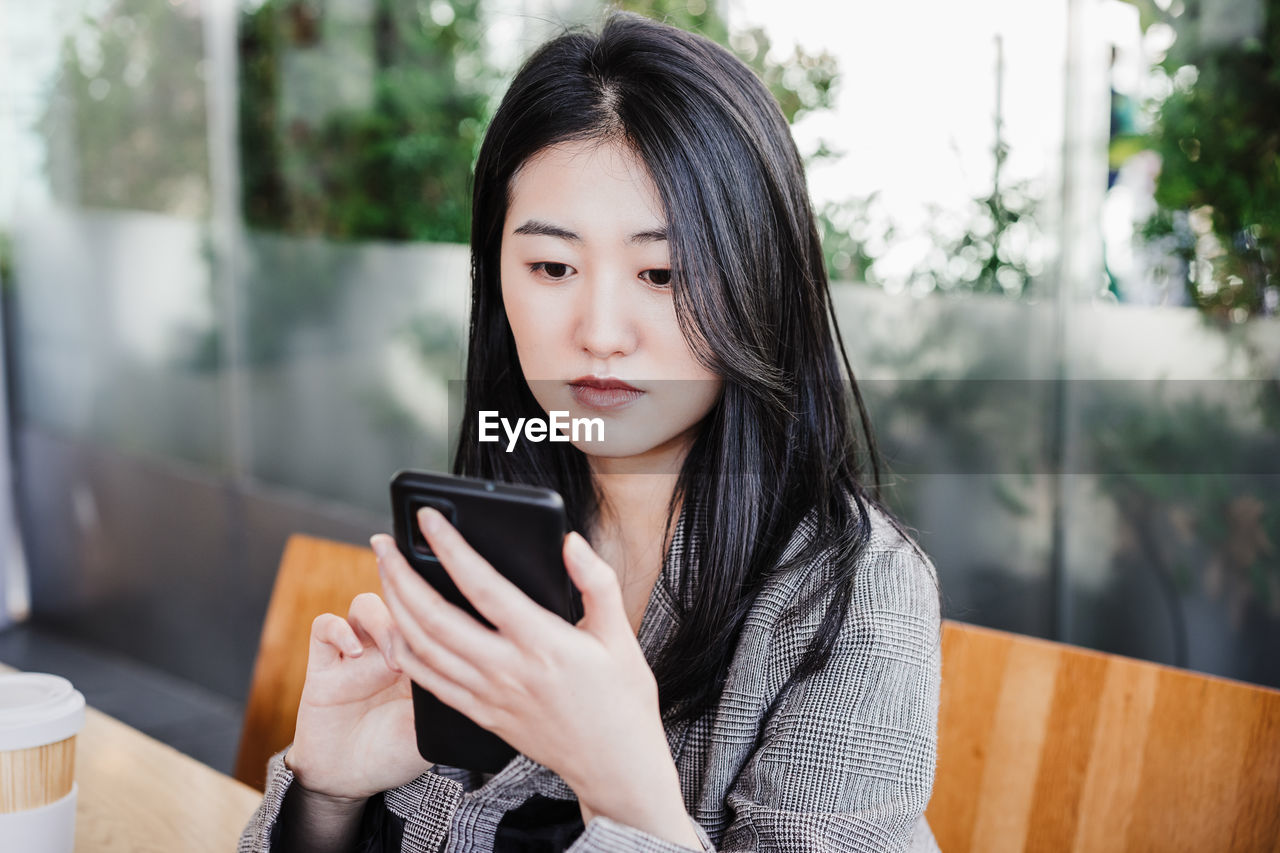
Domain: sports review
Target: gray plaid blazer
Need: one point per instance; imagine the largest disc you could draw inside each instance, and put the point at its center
(845, 762)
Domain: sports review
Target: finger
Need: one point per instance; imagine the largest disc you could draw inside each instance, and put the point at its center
(445, 689)
(372, 623)
(332, 638)
(423, 646)
(604, 612)
(425, 610)
(494, 596)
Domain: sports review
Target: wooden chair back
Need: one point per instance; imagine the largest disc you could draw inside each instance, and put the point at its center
(315, 576)
(1044, 746)
(1041, 745)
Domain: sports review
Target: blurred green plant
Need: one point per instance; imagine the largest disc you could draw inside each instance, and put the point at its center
(362, 127)
(6, 263)
(396, 165)
(854, 234)
(802, 82)
(994, 249)
(356, 123)
(1176, 469)
(992, 245)
(1217, 132)
(697, 16)
(126, 118)
(993, 253)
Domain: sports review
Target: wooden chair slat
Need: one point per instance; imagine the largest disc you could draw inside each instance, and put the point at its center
(315, 576)
(1044, 746)
(1041, 746)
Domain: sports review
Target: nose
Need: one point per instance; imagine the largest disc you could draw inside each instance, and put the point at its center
(606, 324)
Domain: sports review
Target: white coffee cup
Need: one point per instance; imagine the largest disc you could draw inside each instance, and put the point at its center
(40, 716)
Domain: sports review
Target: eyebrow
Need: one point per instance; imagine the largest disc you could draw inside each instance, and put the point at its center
(546, 229)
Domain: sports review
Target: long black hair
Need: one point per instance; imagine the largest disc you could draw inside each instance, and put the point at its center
(751, 295)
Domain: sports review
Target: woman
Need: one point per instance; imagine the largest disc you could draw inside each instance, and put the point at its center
(758, 666)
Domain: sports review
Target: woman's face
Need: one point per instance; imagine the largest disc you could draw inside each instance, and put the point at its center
(586, 286)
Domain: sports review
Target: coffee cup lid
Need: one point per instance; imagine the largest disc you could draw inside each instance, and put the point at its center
(38, 709)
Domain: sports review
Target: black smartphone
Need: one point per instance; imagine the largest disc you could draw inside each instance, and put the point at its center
(520, 531)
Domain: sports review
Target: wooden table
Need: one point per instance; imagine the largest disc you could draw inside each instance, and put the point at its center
(138, 795)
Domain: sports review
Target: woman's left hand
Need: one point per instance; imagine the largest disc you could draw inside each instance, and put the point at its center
(579, 699)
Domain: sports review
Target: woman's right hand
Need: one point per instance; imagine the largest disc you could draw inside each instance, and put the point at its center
(355, 734)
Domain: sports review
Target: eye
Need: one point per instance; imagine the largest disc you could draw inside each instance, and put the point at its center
(551, 270)
(658, 278)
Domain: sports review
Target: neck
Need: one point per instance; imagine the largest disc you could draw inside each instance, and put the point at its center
(631, 526)
(633, 503)
(637, 488)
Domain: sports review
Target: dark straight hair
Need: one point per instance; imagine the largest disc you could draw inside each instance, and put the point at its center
(751, 294)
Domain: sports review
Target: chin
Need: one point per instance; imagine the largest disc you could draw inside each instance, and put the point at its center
(633, 444)
(619, 448)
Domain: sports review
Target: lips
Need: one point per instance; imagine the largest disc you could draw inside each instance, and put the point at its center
(603, 393)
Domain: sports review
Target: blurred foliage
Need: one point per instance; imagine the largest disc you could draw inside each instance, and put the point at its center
(1177, 472)
(1188, 466)
(396, 164)
(994, 251)
(1216, 130)
(358, 127)
(854, 233)
(6, 262)
(126, 119)
(697, 16)
(357, 122)
(991, 245)
(1217, 133)
(363, 123)
(802, 82)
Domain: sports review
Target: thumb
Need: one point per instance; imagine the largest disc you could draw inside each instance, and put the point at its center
(332, 638)
(603, 610)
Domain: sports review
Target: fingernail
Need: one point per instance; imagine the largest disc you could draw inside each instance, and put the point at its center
(430, 519)
(380, 546)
